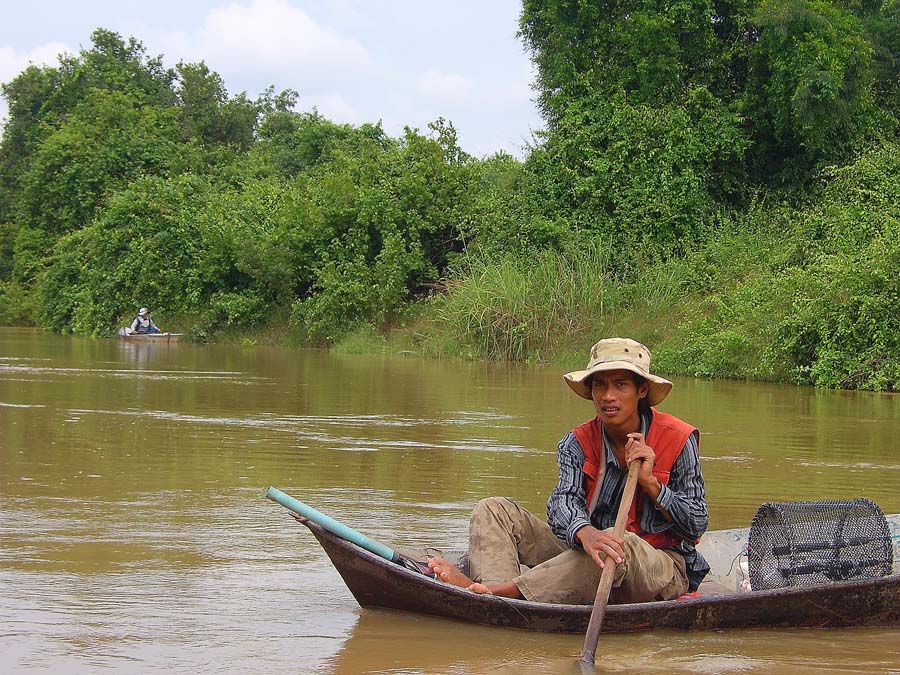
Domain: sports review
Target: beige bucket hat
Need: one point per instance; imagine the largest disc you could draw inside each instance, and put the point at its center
(616, 354)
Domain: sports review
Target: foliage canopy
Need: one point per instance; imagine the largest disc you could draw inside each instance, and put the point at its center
(726, 166)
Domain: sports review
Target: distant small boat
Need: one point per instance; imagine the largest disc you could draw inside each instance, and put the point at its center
(155, 338)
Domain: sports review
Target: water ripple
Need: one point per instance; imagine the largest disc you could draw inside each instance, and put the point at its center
(230, 376)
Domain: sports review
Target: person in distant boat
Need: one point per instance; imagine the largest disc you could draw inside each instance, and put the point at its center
(656, 559)
(143, 323)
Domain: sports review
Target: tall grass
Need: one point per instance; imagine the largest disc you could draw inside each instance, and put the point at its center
(517, 307)
(552, 305)
(713, 312)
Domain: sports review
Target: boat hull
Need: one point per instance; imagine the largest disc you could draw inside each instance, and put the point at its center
(153, 338)
(376, 582)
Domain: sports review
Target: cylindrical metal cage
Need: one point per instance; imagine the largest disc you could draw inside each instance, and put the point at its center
(809, 543)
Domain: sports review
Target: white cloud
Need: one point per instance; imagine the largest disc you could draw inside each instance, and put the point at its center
(444, 87)
(13, 62)
(240, 40)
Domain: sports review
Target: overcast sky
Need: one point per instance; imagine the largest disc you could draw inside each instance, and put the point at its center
(404, 62)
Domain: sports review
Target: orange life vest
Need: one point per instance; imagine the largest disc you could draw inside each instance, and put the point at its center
(667, 436)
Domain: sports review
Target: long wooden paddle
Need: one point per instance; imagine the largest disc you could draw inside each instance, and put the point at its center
(609, 569)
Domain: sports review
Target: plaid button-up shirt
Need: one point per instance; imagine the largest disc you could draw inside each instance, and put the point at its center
(684, 498)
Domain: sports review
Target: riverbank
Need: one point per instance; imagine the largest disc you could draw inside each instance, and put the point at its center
(804, 296)
(807, 297)
(740, 236)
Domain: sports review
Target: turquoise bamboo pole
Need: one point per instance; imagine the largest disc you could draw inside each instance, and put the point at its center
(332, 525)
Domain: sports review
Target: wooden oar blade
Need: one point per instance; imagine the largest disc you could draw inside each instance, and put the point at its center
(592, 635)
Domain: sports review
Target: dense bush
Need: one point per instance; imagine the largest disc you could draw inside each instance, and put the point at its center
(642, 177)
(810, 86)
(809, 295)
(108, 141)
(391, 213)
(345, 242)
(142, 250)
(717, 179)
(847, 333)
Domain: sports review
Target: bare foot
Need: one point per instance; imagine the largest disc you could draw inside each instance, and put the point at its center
(450, 574)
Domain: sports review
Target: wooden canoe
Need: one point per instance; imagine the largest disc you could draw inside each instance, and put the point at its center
(155, 338)
(376, 582)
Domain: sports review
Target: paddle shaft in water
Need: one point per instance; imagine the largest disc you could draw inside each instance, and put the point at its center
(332, 525)
(609, 569)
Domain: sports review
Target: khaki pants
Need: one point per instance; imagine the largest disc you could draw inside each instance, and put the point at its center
(503, 535)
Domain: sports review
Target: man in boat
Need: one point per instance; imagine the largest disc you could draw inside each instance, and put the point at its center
(656, 559)
(143, 323)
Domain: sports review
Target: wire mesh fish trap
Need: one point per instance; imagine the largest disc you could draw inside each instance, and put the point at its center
(809, 543)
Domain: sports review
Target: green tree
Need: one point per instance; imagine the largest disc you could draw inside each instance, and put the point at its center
(392, 212)
(107, 141)
(809, 88)
(22, 132)
(145, 247)
(882, 24)
(650, 177)
(654, 51)
(111, 64)
(292, 143)
(207, 113)
(641, 146)
(42, 101)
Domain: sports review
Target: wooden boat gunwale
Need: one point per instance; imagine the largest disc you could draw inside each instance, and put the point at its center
(166, 338)
(378, 583)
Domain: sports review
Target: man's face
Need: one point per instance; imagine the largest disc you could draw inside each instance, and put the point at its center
(616, 396)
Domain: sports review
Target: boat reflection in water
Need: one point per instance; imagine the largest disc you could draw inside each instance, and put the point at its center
(399, 642)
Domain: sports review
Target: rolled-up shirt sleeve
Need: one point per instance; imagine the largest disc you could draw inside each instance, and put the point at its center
(567, 506)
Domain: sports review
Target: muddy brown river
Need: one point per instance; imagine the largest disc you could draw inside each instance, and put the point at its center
(135, 536)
